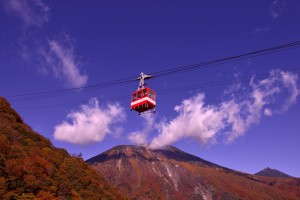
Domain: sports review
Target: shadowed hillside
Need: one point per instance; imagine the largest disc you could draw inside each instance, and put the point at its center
(32, 168)
(142, 173)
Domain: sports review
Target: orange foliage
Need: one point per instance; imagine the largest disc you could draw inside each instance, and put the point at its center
(32, 168)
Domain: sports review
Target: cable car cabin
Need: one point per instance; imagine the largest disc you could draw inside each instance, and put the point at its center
(143, 100)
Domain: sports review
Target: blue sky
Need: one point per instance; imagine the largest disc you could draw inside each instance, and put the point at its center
(247, 125)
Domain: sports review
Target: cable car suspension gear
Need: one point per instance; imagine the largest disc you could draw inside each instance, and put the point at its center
(144, 99)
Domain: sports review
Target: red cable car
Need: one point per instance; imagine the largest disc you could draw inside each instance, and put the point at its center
(144, 99)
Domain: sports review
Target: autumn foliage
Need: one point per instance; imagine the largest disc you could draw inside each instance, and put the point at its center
(32, 168)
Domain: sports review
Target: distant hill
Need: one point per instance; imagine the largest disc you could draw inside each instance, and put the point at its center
(142, 173)
(32, 168)
(272, 173)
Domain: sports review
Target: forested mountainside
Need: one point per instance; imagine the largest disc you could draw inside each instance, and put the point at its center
(32, 168)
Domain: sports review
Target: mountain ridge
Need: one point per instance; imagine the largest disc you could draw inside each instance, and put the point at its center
(142, 173)
(170, 151)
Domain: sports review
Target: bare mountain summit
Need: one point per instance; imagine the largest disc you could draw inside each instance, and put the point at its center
(272, 173)
(142, 173)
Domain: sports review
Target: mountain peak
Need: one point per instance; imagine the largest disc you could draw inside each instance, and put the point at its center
(147, 154)
(170, 173)
(272, 173)
(143, 173)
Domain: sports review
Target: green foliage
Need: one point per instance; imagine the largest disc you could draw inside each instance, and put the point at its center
(32, 168)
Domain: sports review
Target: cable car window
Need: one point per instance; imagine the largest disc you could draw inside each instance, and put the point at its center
(133, 98)
(151, 94)
(145, 93)
(139, 95)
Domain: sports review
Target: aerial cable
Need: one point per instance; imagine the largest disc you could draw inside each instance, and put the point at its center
(216, 83)
(174, 90)
(105, 84)
(55, 93)
(171, 71)
(227, 59)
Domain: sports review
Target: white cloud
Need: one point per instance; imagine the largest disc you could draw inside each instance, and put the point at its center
(90, 124)
(262, 29)
(30, 12)
(268, 112)
(56, 56)
(267, 92)
(60, 58)
(195, 119)
(290, 82)
(231, 118)
(277, 8)
(140, 137)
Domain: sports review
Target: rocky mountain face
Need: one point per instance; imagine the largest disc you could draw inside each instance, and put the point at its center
(32, 168)
(272, 173)
(142, 173)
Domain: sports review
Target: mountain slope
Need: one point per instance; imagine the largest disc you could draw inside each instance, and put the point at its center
(32, 168)
(272, 173)
(142, 173)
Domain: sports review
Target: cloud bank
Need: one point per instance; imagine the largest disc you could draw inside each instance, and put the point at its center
(232, 117)
(141, 137)
(90, 124)
(30, 12)
(59, 58)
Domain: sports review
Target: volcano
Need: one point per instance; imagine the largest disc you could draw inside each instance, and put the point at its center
(142, 173)
(272, 173)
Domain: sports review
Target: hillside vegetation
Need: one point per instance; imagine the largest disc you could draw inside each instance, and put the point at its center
(32, 168)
